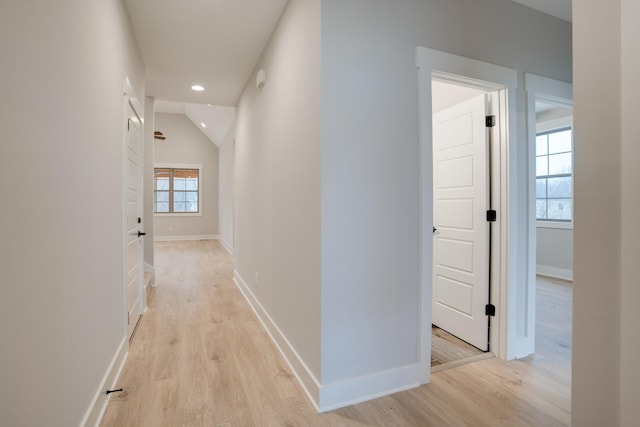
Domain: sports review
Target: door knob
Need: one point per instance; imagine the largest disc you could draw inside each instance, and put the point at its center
(140, 233)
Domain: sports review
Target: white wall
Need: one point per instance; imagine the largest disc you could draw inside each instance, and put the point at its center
(597, 272)
(370, 158)
(147, 180)
(630, 152)
(61, 159)
(277, 181)
(554, 252)
(606, 345)
(185, 144)
(226, 189)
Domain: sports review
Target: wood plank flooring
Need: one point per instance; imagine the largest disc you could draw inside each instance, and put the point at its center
(200, 358)
(448, 350)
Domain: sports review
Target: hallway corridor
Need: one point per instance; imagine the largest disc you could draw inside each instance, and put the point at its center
(200, 358)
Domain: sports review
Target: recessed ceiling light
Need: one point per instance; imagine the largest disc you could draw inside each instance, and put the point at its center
(203, 125)
(197, 88)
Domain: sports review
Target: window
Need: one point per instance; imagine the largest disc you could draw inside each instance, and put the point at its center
(554, 182)
(176, 190)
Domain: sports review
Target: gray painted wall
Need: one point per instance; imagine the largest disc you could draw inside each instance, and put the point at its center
(277, 181)
(227, 189)
(147, 181)
(370, 168)
(61, 158)
(328, 217)
(185, 144)
(554, 252)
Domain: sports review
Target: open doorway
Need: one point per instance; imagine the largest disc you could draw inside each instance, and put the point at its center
(512, 296)
(464, 115)
(551, 232)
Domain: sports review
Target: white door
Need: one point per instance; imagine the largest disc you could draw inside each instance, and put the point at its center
(133, 242)
(461, 230)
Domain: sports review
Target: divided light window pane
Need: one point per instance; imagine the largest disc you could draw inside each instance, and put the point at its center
(162, 207)
(559, 210)
(542, 166)
(541, 188)
(560, 142)
(179, 184)
(176, 190)
(541, 209)
(554, 183)
(559, 164)
(558, 188)
(541, 145)
(162, 196)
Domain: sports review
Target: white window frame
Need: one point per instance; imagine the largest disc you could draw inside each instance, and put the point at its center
(200, 184)
(550, 126)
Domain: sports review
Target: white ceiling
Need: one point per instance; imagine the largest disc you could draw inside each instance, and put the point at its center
(217, 120)
(215, 43)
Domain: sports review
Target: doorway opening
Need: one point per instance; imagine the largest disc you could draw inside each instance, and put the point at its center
(509, 287)
(550, 154)
(466, 140)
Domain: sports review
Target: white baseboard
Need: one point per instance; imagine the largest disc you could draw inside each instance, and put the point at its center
(98, 405)
(327, 397)
(358, 390)
(520, 348)
(226, 245)
(558, 273)
(307, 380)
(186, 237)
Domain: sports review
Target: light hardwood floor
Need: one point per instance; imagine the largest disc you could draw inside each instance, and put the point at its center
(449, 351)
(200, 358)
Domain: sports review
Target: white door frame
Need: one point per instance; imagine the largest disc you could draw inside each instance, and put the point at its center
(129, 97)
(506, 267)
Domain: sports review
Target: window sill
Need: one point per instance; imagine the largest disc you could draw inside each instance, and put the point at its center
(180, 214)
(555, 224)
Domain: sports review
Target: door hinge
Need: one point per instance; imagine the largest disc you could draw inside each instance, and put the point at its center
(128, 124)
(490, 310)
(128, 318)
(491, 121)
(139, 220)
(492, 215)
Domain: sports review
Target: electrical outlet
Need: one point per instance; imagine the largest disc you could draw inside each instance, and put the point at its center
(257, 282)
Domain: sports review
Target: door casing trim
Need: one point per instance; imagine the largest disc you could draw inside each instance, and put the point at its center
(465, 71)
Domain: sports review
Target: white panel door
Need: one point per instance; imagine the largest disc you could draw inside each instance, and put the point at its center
(461, 230)
(133, 242)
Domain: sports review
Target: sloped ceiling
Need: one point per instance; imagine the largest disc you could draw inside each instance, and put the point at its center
(217, 120)
(214, 43)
